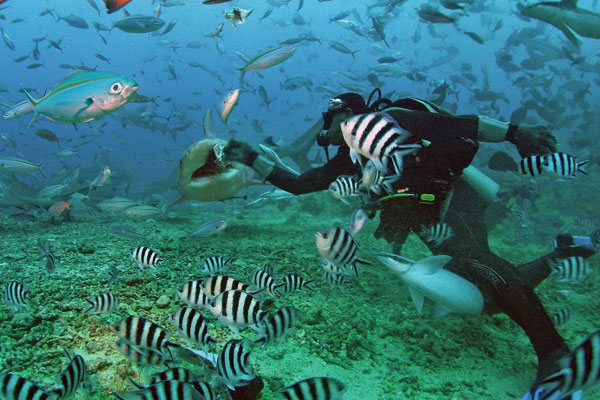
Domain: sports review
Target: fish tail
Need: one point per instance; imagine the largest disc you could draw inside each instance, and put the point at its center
(581, 164)
(352, 54)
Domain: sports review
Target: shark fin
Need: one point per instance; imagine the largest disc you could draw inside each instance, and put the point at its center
(430, 265)
(417, 298)
(570, 34)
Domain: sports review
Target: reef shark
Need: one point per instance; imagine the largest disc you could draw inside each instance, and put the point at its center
(427, 278)
(566, 16)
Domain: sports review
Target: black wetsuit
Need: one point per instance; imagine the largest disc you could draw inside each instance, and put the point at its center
(435, 169)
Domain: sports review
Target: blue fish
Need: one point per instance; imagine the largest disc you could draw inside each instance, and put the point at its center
(84, 96)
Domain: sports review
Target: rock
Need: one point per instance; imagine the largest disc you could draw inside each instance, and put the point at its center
(92, 347)
(163, 301)
(145, 305)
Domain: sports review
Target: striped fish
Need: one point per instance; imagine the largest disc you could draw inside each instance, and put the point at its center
(572, 269)
(15, 387)
(216, 285)
(293, 282)
(165, 390)
(344, 186)
(142, 333)
(140, 356)
(233, 364)
(172, 374)
(375, 181)
(338, 246)
(557, 163)
(192, 293)
(180, 375)
(436, 233)
(335, 279)
(74, 376)
(378, 137)
(278, 325)
(113, 275)
(46, 251)
(17, 294)
(214, 264)
(145, 256)
(103, 303)
(581, 371)
(562, 316)
(318, 388)
(263, 280)
(237, 309)
(192, 325)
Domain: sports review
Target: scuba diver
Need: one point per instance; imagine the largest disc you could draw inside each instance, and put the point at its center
(433, 188)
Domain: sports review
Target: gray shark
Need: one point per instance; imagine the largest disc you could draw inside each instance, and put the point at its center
(566, 16)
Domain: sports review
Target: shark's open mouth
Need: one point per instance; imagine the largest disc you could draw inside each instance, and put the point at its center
(212, 166)
(204, 176)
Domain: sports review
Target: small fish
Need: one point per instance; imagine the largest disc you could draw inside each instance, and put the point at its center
(124, 231)
(47, 134)
(46, 251)
(210, 227)
(562, 316)
(378, 137)
(430, 14)
(215, 1)
(113, 275)
(293, 282)
(237, 15)
(169, 27)
(236, 309)
(318, 388)
(214, 264)
(436, 233)
(19, 166)
(262, 279)
(143, 211)
(215, 32)
(7, 40)
(338, 280)
(164, 390)
(103, 304)
(579, 372)
(557, 163)
(117, 203)
(357, 221)
(58, 208)
(142, 333)
(571, 270)
(341, 47)
(101, 57)
(233, 364)
(377, 182)
(474, 36)
(344, 186)
(216, 285)
(192, 325)
(16, 294)
(114, 5)
(278, 325)
(147, 257)
(172, 374)
(268, 59)
(228, 103)
(15, 387)
(74, 376)
(139, 356)
(338, 246)
(100, 179)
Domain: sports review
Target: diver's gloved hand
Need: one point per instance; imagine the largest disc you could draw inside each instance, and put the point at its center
(239, 151)
(535, 139)
(371, 207)
(242, 152)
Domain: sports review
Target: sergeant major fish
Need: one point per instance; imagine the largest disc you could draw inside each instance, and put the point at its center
(103, 304)
(278, 325)
(145, 256)
(214, 264)
(233, 364)
(318, 388)
(237, 309)
(192, 325)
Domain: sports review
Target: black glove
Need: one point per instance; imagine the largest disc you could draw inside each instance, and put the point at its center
(535, 139)
(239, 151)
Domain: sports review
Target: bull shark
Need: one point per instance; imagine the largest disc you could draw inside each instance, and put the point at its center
(566, 16)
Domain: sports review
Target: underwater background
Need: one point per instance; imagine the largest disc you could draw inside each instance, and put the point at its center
(489, 61)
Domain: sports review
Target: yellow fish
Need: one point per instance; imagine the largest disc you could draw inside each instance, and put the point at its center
(84, 96)
(228, 103)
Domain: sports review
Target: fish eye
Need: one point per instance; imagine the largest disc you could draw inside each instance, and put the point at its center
(116, 88)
